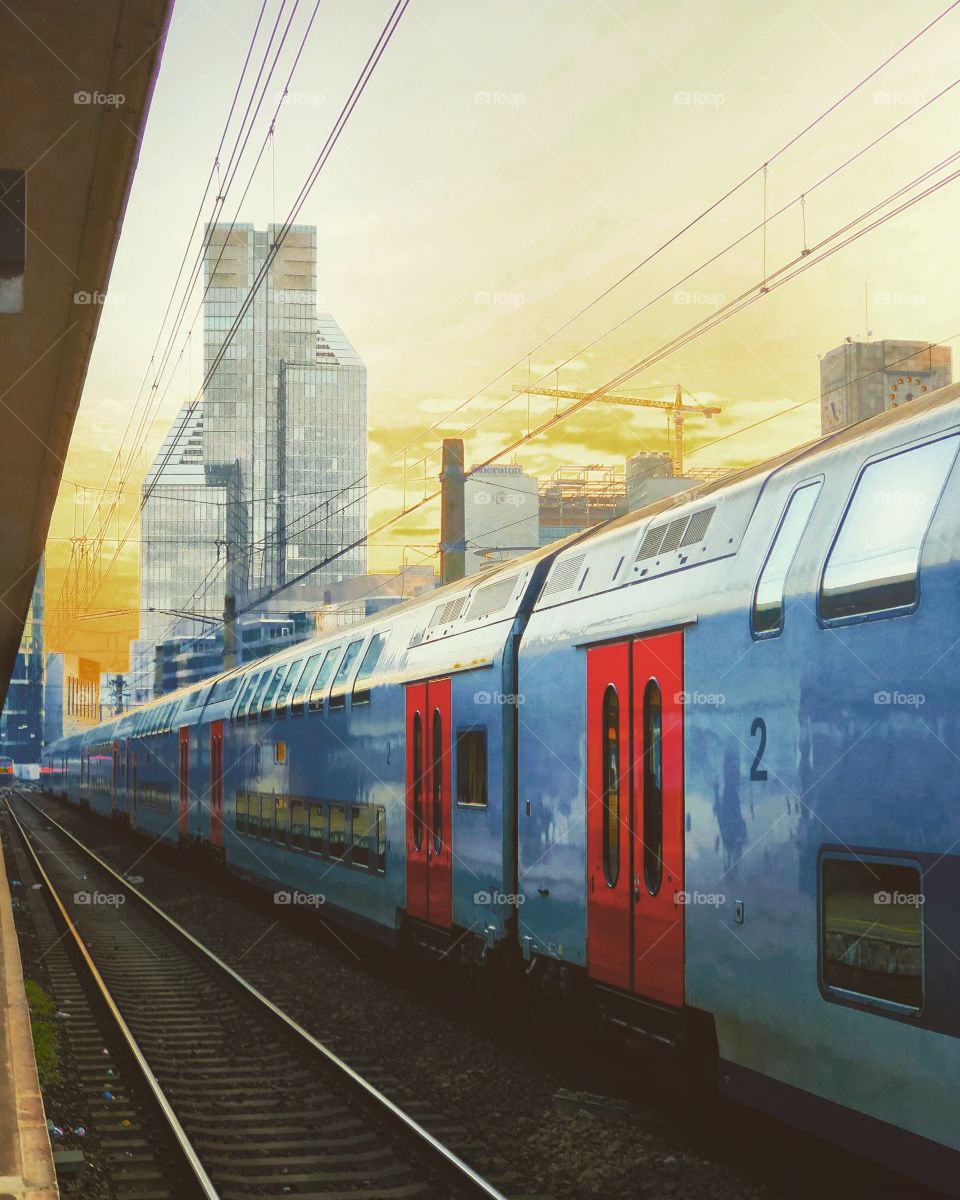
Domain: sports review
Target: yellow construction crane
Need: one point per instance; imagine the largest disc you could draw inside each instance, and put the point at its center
(676, 409)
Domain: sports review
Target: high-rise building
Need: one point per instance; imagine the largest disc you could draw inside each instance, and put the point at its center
(501, 516)
(576, 498)
(288, 402)
(860, 379)
(71, 695)
(265, 479)
(21, 723)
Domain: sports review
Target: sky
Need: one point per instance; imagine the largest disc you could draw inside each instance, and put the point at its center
(508, 163)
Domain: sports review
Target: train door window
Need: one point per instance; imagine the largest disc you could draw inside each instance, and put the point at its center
(267, 809)
(361, 685)
(319, 687)
(304, 683)
(337, 832)
(253, 814)
(241, 812)
(291, 677)
(436, 779)
(874, 563)
(362, 830)
(381, 839)
(652, 787)
(472, 768)
(298, 824)
(316, 828)
(271, 693)
(611, 785)
(338, 693)
(280, 820)
(417, 780)
(768, 597)
(871, 931)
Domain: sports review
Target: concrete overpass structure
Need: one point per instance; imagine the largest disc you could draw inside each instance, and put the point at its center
(75, 87)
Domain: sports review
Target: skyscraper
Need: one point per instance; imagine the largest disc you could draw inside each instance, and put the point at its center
(265, 478)
(21, 724)
(288, 402)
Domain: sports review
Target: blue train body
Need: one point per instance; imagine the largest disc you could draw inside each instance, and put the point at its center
(696, 766)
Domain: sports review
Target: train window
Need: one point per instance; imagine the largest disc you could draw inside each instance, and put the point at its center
(337, 832)
(874, 562)
(361, 689)
(298, 824)
(362, 829)
(274, 686)
(241, 812)
(253, 814)
(286, 687)
(472, 767)
(871, 931)
(338, 693)
(381, 839)
(652, 787)
(323, 678)
(280, 819)
(262, 684)
(316, 828)
(225, 688)
(304, 683)
(267, 808)
(417, 780)
(611, 785)
(247, 693)
(436, 779)
(768, 597)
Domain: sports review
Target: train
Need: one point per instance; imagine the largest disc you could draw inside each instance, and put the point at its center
(694, 768)
(6, 765)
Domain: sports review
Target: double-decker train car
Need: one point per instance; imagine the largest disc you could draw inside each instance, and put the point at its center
(694, 768)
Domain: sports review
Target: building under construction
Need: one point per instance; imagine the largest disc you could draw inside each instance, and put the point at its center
(574, 498)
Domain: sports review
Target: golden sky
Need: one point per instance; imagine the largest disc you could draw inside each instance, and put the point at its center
(510, 161)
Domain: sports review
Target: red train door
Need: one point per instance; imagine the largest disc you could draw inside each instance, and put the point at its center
(608, 814)
(658, 817)
(416, 801)
(429, 853)
(635, 816)
(216, 784)
(439, 851)
(115, 783)
(183, 774)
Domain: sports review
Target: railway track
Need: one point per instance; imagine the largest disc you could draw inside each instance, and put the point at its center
(257, 1107)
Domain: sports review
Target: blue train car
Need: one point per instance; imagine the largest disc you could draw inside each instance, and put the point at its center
(692, 768)
(751, 699)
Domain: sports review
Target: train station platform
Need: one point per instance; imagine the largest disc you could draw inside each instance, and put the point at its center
(26, 1159)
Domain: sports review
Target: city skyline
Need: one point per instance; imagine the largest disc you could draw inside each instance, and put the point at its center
(488, 298)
